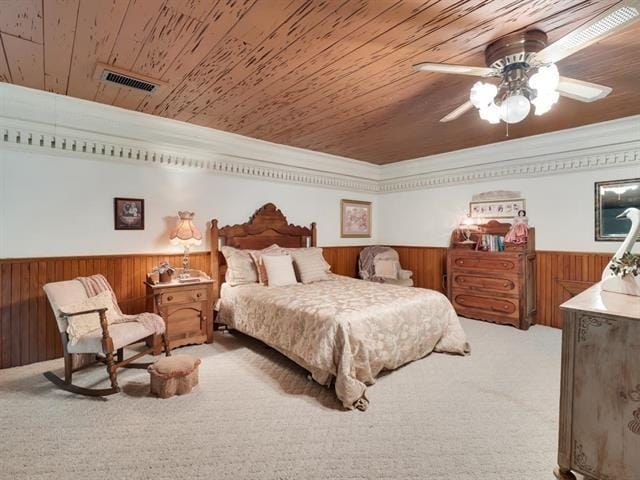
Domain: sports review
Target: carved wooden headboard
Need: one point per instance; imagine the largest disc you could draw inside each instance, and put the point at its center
(267, 226)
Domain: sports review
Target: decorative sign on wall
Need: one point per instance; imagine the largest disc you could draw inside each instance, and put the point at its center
(496, 208)
(128, 213)
(611, 199)
(355, 219)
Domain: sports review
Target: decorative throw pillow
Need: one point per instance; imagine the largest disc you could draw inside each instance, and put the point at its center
(279, 270)
(386, 269)
(256, 255)
(80, 325)
(240, 266)
(310, 265)
(310, 251)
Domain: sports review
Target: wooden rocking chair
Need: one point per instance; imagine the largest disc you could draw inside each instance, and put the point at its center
(98, 345)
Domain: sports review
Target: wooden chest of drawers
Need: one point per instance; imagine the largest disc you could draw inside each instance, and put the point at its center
(494, 286)
(187, 309)
(599, 433)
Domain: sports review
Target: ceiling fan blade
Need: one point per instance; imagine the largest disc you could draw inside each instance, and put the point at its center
(582, 91)
(458, 69)
(465, 107)
(608, 22)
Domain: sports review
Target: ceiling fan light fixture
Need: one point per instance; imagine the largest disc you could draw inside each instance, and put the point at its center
(546, 79)
(514, 108)
(543, 103)
(482, 94)
(490, 113)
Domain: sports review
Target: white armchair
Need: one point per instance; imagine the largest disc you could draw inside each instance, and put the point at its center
(382, 264)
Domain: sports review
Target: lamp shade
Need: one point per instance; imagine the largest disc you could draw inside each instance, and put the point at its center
(186, 233)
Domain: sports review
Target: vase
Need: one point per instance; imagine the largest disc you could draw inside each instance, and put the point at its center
(165, 277)
(628, 285)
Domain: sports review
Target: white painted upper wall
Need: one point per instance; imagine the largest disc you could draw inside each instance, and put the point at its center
(560, 206)
(56, 206)
(63, 160)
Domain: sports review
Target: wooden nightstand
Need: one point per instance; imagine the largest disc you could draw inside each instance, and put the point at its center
(187, 310)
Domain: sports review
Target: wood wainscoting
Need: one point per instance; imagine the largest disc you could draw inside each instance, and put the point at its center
(28, 332)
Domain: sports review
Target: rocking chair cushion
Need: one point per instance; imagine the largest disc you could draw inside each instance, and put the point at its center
(81, 325)
(122, 335)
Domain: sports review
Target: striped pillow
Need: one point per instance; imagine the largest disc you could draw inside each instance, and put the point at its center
(310, 264)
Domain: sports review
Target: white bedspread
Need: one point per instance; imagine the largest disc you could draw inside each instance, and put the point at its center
(345, 328)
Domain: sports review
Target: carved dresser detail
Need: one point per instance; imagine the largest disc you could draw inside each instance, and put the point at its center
(600, 387)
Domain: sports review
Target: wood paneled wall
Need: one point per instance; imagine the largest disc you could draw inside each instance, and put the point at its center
(28, 332)
(560, 275)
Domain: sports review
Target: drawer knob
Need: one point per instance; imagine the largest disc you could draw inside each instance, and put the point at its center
(506, 307)
(170, 297)
(506, 284)
(198, 295)
(461, 280)
(461, 262)
(505, 264)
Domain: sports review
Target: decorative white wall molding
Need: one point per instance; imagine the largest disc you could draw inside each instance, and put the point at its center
(26, 138)
(37, 121)
(547, 165)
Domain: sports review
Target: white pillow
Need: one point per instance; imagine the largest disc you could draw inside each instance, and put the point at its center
(310, 265)
(82, 324)
(386, 269)
(256, 255)
(279, 269)
(240, 266)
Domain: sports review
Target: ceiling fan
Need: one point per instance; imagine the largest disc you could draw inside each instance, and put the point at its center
(525, 65)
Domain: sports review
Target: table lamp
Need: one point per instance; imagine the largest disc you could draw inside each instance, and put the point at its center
(185, 234)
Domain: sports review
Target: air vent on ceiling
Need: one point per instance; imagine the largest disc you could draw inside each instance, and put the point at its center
(125, 78)
(128, 81)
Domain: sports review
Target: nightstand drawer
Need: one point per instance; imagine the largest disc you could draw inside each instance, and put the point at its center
(181, 297)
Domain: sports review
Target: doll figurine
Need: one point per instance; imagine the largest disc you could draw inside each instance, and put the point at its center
(519, 231)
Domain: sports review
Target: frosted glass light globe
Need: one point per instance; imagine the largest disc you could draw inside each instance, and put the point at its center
(514, 108)
(490, 113)
(544, 102)
(546, 79)
(482, 94)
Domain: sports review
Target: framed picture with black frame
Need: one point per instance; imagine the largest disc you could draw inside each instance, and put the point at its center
(128, 213)
(611, 198)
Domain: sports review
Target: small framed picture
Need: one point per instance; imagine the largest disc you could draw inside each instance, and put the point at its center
(128, 213)
(611, 199)
(355, 219)
(496, 208)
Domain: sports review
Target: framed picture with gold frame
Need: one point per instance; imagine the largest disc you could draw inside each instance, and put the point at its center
(355, 219)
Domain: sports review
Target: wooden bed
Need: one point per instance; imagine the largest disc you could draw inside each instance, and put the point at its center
(267, 226)
(344, 331)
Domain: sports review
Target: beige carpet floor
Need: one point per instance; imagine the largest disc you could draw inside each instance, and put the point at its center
(490, 416)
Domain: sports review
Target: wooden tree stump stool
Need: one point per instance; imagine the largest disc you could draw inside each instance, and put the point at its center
(175, 375)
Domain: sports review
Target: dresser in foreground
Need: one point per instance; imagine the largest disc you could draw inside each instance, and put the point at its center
(600, 388)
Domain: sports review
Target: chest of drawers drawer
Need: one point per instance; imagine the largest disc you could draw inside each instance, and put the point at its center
(485, 307)
(506, 284)
(487, 262)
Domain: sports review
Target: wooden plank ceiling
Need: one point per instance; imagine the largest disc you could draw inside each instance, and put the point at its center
(328, 75)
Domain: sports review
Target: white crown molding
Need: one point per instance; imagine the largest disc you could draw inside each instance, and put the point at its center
(37, 121)
(33, 120)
